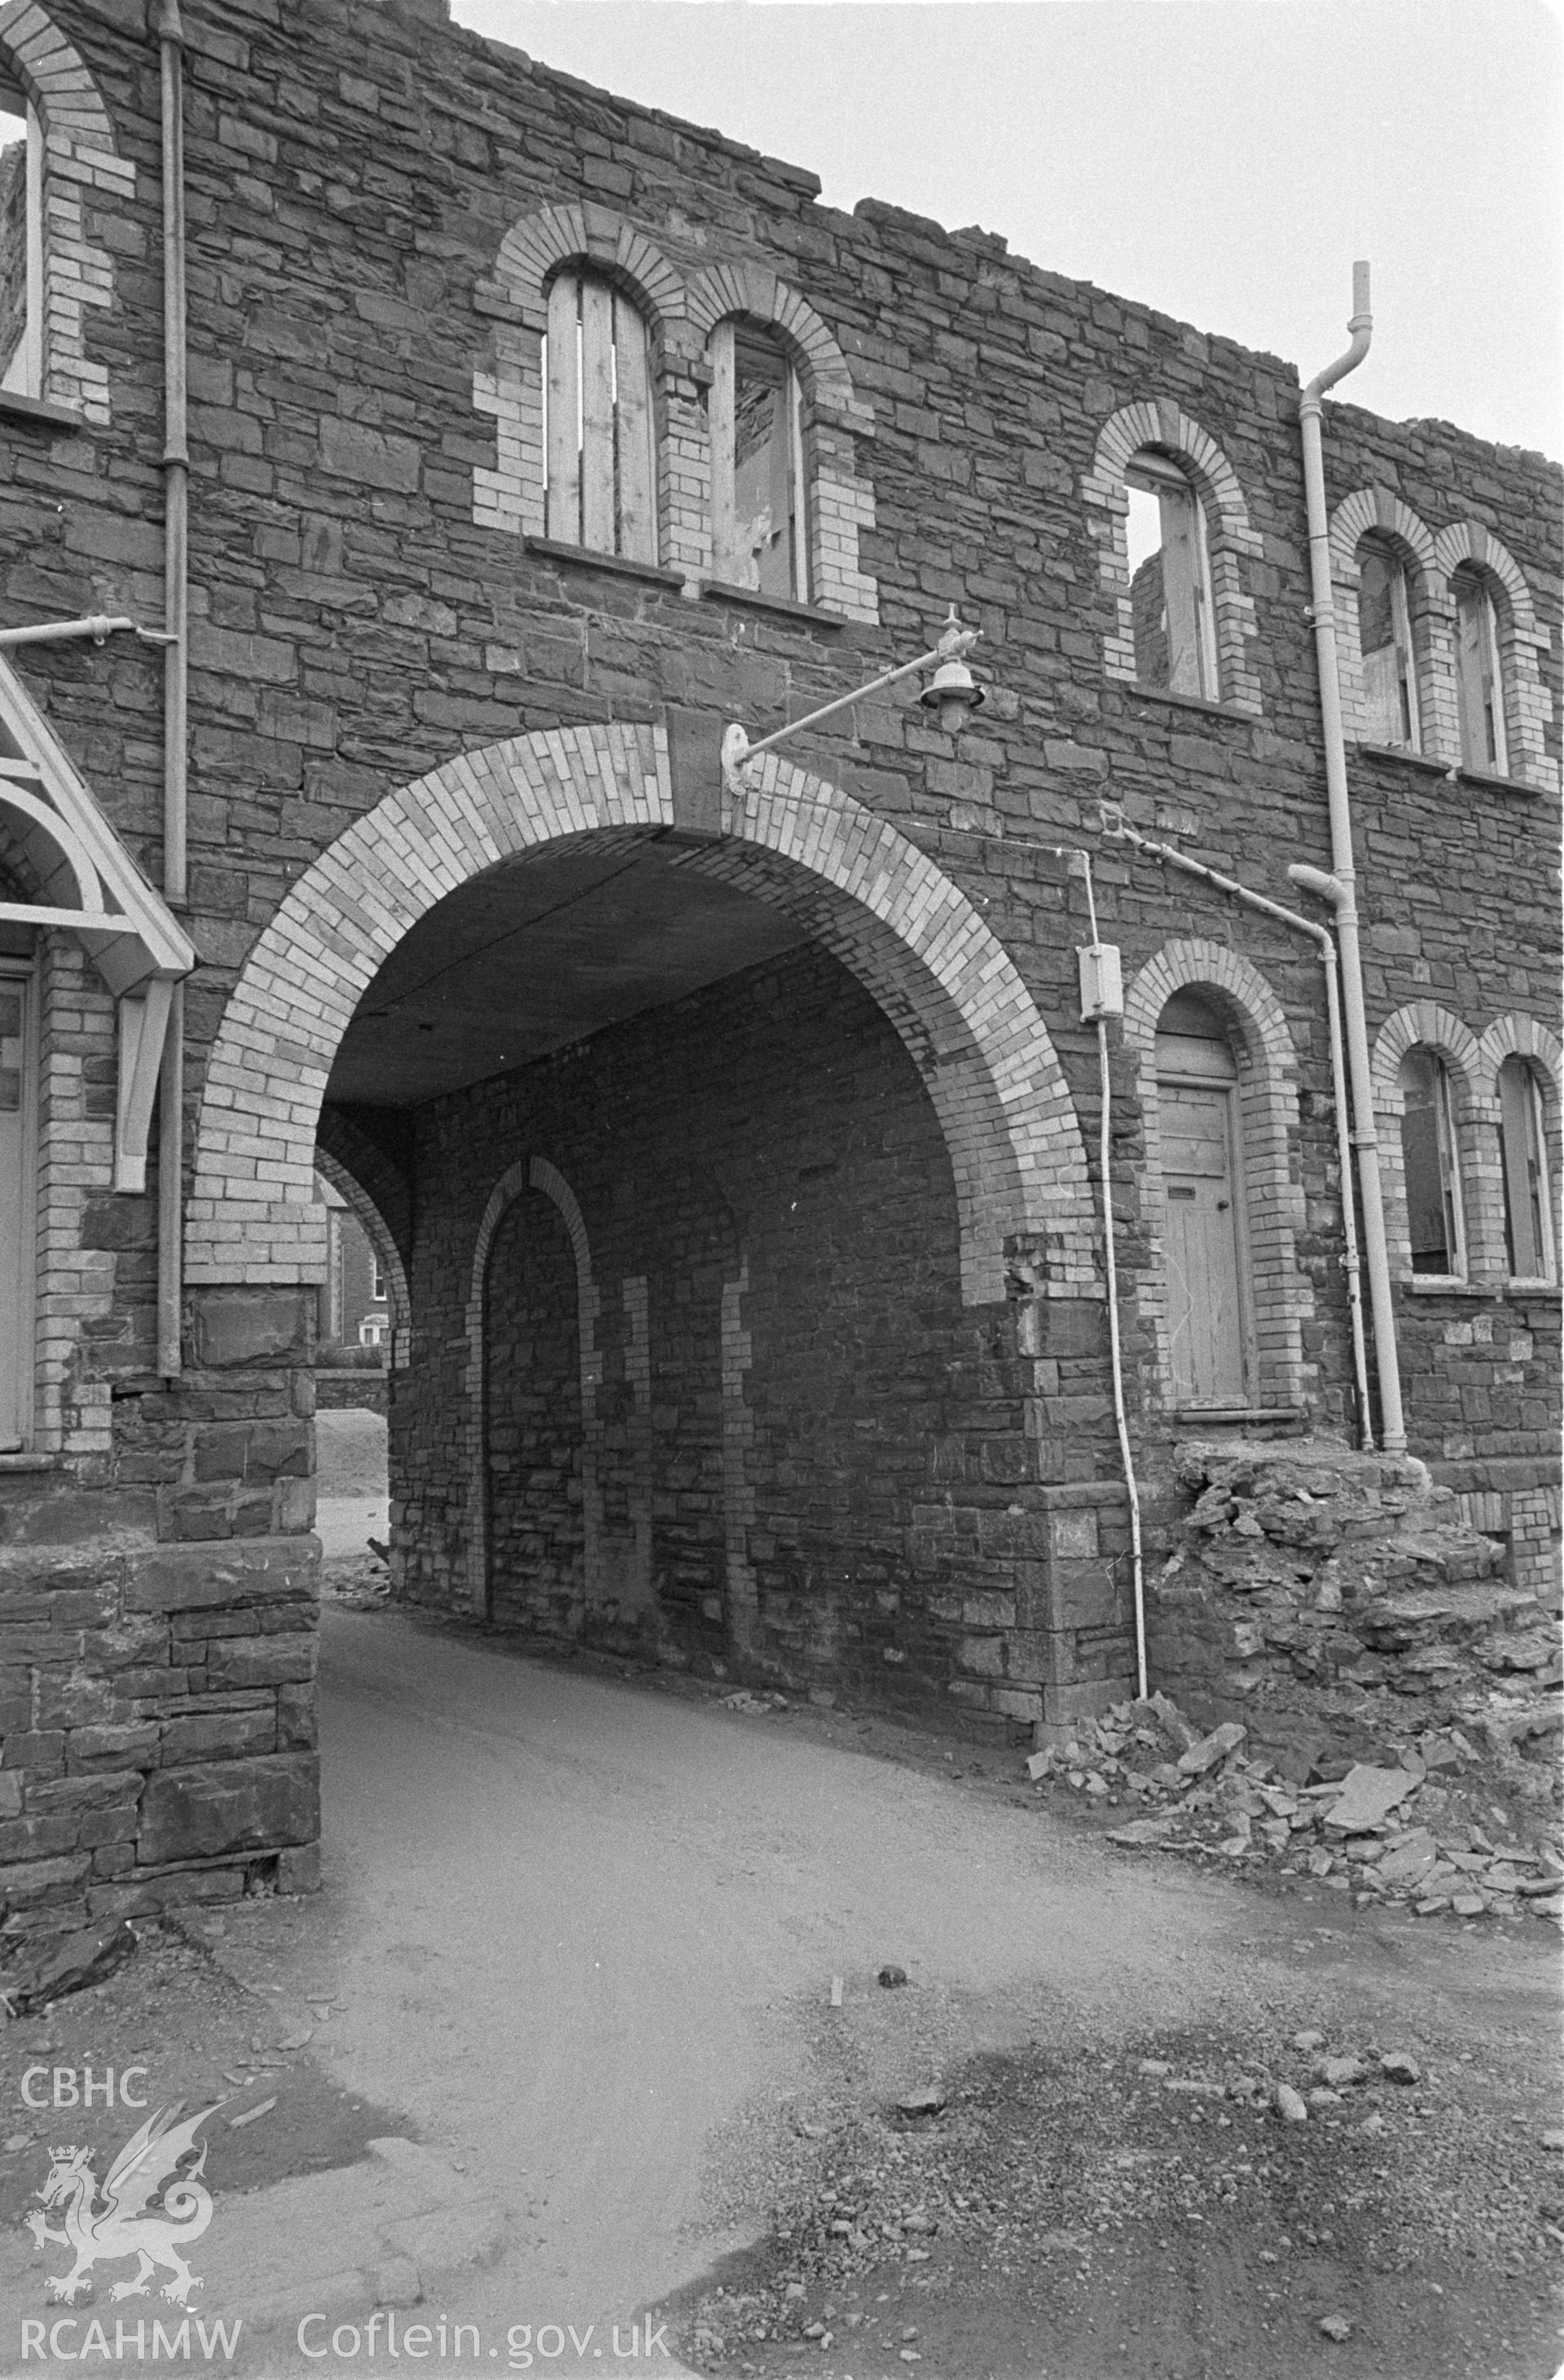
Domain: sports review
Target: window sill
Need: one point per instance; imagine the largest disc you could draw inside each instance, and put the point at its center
(1409, 758)
(1185, 1414)
(42, 409)
(28, 1459)
(1195, 702)
(1443, 1285)
(1547, 1292)
(1492, 782)
(586, 557)
(782, 606)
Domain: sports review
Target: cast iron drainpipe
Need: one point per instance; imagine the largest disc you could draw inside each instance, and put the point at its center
(1340, 888)
(163, 22)
(1117, 828)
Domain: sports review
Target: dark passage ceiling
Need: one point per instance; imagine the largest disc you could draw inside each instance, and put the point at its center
(537, 953)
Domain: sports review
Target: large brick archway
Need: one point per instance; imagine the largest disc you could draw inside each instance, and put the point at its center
(796, 843)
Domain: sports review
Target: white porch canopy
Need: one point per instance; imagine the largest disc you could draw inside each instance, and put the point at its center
(55, 840)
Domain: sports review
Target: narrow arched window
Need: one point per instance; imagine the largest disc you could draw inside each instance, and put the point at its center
(760, 503)
(1392, 713)
(1479, 678)
(1169, 579)
(600, 442)
(21, 246)
(1435, 1222)
(1211, 1350)
(1528, 1216)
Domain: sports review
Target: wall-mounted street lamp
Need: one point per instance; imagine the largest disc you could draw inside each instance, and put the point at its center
(952, 693)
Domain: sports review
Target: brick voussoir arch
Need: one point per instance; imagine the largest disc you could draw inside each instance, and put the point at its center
(378, 1232)
(907, 934)
(79, 163)
(536, 1174)
(1281, 1293)
(1232, 536)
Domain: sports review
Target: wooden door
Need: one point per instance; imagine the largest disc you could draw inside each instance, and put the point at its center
(1207, 1318)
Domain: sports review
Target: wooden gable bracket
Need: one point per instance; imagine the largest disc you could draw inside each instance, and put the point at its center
(53, 834)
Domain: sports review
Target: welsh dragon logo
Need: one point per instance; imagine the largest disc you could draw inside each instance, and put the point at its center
(125, 2222)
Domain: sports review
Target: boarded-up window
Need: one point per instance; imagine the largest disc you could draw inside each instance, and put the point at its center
(599, 436)
(1428, 1157)
(21, 246)
(1528, 1219)
(1479, 686)
(1384, 641)
(759, 526)
(1169, 580)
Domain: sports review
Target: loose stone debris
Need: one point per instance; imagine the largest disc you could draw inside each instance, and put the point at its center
(1405, 1832)
(67, 1964)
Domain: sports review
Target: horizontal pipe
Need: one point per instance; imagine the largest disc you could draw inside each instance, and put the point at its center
(97, 626)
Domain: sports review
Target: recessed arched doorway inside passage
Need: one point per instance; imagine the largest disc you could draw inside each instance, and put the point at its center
(624, 911)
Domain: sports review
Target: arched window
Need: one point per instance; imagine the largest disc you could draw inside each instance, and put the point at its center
(1528, 1217)
(21, 245)
(1435, 1220)
(600, 442)
(1209, 1319)
(759, 508)
(1392, 710)
(1175, 629)
(1479, 676)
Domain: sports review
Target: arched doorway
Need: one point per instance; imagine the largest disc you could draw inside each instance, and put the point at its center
(1210, 1324)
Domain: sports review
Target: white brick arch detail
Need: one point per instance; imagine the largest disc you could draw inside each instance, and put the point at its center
(388, 1255)
(841, 501)
(80, 167)
(1528, 705)
(909, 935)
(511, 496)
(1516, 1036)
(1474, 1102)
(1282, 1293)
(535, 1174)
(1231, 540)
(1381, 512)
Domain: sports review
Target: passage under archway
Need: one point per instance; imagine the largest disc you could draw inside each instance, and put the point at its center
(800, 846)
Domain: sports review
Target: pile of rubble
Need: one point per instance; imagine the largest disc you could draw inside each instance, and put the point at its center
(1403, 1833)
(1323, 1596)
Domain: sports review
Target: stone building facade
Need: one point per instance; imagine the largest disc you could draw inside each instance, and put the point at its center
(730, 1147)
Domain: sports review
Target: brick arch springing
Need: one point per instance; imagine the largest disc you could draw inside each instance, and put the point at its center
(1423, 1024)
(840, 502)
(1231, 540)
(535, 1174)
(1528, 705)
(909, 935)
(79, 163)
(378, 1232)
(1281, 1296)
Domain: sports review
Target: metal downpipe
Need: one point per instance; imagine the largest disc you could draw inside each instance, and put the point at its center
(163, 22)
(1345, 896)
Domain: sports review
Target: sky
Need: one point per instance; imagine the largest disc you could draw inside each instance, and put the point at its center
(1222, 160)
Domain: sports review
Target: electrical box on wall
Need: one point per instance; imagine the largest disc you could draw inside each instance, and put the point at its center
(1102, 982)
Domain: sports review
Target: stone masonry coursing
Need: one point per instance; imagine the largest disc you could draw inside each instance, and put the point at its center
(766, 1146)
(370, 603)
